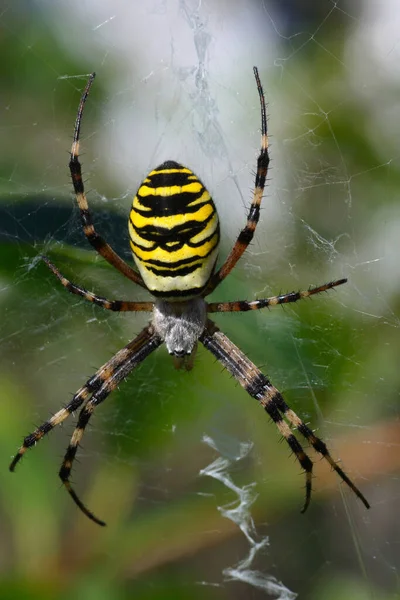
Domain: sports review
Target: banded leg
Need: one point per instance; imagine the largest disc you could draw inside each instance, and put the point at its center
(260, 388)
(91, 386)
(98, 243)
(245, 305)
(30, 440)
(246, 235)
(114, 305)
(135, 353)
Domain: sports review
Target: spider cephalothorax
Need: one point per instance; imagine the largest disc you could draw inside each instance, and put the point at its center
(180, 324)
(174, 236)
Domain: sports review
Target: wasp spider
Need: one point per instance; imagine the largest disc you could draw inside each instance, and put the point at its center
(174, 237)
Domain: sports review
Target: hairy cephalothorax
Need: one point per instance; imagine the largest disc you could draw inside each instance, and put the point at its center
(180, 324)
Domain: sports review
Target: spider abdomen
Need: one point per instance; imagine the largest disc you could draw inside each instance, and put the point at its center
(174, 232)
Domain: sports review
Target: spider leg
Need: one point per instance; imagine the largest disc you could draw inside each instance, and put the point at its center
(91, 386)
(260, 388)
(30, 440)
(246, 235)
(98, 243)
(135, 352)
(245, 305)
(114, 305)
(318, 445)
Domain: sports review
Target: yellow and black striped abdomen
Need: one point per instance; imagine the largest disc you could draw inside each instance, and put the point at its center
(174, 232)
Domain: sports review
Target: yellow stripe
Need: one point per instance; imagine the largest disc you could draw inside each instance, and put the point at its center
(207, 231)
(170, 190)
(173, 220)
(171, 257)
(168, 171)
(136, 204)
(198, 263)
(205, 197)
(137, 239)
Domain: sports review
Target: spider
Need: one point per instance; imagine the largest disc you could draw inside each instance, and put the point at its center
(174, 237)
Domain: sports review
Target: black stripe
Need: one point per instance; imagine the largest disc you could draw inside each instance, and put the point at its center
(70, 454)
(178, 243)
(169, 164)
(245, 236)
(207, 239)
(281, 404)
(31, 439)
(86, 217)
(257, 385)
(174, 248)
(302, 457)
(262, 168)
(177, 204)
(304, 430)
(116, 305)
(254, 213)
(243, 305)
(174, 272)
(291, 297)
(93, 384)
(182, 232)
(76, 175)
(177, 246)
(317, 444)
(85, 416)
(273, 412)
(196, 291)
(177, 263)
(320, 447)
(168, 179)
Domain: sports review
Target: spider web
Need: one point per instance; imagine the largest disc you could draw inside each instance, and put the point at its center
(175, 82)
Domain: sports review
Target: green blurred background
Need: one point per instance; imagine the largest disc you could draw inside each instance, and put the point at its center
(175, 82)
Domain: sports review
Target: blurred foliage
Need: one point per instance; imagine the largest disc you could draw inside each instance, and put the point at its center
(140, 462)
